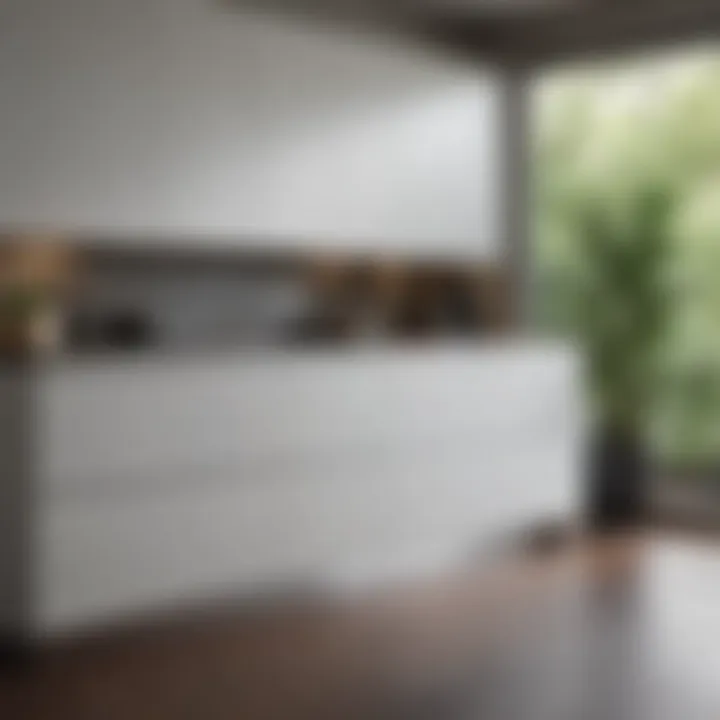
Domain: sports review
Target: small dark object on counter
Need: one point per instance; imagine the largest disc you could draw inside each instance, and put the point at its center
(123, 329)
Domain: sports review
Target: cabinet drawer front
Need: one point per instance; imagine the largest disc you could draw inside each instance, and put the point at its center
(102, 556)
(104, 423)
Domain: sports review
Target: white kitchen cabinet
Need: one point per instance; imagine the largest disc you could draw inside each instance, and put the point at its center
(147, 481)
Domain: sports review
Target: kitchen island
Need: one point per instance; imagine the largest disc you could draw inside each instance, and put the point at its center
(133, 482)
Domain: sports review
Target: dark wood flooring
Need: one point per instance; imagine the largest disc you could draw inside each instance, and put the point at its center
(615, 629)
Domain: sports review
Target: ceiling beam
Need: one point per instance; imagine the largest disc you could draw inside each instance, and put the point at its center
(531, 35)
(575, 33)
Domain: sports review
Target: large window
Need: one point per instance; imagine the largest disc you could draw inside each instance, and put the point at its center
(613, 123)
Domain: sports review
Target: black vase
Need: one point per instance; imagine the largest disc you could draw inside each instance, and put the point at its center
(619, 481)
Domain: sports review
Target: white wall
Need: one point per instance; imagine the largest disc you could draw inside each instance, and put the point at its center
(162, 115)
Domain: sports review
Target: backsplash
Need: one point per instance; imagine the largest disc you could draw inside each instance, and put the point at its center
(130, 297)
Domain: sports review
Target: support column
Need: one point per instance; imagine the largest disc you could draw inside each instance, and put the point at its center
(516, 185)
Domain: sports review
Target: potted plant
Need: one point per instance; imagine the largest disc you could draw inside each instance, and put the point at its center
(621, 320)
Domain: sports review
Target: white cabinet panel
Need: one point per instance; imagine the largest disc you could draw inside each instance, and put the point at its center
(165, 481)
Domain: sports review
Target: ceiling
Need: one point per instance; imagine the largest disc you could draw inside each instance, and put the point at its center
(527, 31)
(591, 27)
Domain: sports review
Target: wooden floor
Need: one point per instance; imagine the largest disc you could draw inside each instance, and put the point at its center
(614, 630)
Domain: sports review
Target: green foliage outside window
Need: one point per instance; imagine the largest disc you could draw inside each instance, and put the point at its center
(613, 133)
